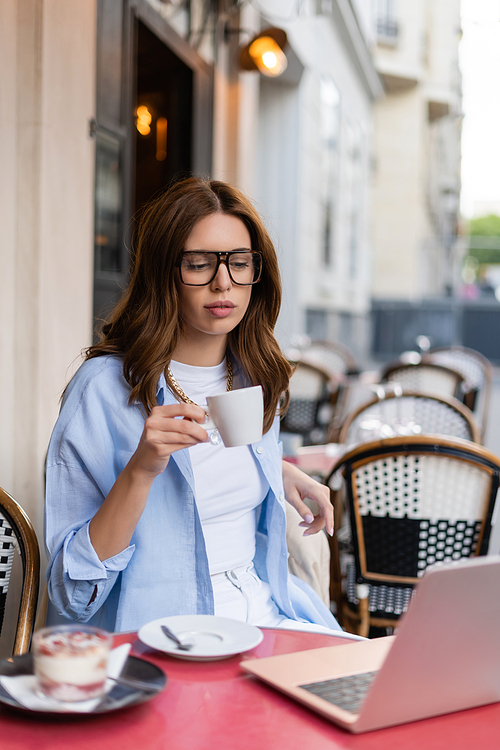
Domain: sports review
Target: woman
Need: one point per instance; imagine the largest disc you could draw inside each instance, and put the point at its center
(128, 541)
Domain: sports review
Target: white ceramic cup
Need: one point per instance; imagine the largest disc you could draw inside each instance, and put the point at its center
(238, 415)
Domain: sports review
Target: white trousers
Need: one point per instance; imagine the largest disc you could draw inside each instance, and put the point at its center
(241, 595)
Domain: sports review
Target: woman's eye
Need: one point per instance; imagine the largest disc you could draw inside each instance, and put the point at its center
(197, 266)
(239, 263)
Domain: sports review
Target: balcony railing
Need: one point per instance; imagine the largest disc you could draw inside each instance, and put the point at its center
(387, 29)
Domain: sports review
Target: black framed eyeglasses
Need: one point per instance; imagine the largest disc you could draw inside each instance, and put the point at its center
(199, 268)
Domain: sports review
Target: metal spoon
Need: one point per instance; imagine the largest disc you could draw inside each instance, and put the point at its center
(180, 645)
(133, 683)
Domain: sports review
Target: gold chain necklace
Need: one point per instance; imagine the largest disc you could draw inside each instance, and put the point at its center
(214, 437)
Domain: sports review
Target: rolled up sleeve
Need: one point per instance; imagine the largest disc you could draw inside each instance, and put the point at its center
(81, 562)
(79, 582)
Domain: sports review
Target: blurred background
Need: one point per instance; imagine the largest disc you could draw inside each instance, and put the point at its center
(365, 131)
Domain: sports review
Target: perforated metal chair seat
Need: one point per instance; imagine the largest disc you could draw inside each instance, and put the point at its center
(383, 600)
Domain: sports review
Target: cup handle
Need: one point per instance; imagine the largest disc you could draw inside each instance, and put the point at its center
(208, 424)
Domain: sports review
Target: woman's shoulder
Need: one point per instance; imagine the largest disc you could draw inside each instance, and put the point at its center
(99, 380)
(96, 393)
(97, 372)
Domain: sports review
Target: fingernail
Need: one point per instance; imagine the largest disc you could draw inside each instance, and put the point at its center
(309, 518)
(330, 531)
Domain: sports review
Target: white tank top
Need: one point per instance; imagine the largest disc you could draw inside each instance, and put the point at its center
(229, 485)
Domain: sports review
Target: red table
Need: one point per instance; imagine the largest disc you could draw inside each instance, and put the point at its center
(216, 706)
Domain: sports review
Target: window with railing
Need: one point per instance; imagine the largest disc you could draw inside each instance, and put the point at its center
(386, 24)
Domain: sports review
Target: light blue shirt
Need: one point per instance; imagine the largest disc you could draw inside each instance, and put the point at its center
(165, 569)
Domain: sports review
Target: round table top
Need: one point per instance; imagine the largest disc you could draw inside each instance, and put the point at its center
(217, 706)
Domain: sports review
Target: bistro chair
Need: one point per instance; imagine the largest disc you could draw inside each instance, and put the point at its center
(17, 540)
(309, 412)
(333, 357)
(413, 501)
(389, 414)
(477, 372)
(424, 377)
(339, 362)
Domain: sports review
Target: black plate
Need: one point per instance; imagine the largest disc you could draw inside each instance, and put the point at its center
(120, 696)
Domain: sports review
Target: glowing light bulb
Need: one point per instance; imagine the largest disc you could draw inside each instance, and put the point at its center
(269, 60)
(143, 121)
(268, 56)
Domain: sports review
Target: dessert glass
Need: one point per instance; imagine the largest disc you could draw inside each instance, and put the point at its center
(70, 661)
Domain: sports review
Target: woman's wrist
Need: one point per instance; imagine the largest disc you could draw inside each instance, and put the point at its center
(140, 475)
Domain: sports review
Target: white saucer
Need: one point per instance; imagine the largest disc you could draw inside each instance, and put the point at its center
(211, 637)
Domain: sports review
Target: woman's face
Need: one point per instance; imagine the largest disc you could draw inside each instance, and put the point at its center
(217, 308)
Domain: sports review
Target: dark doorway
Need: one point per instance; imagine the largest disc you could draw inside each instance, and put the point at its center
(164, 104)
(141, 61)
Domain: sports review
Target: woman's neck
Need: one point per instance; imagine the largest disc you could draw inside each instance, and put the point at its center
(201, 353)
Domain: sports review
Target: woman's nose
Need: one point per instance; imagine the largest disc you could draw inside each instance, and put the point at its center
(222, 278)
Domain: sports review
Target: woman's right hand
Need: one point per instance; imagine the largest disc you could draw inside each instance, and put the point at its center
(168, 429)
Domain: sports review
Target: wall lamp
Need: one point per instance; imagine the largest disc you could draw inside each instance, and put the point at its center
(265, 53)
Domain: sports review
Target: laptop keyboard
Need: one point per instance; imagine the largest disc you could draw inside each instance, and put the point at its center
(345, 692)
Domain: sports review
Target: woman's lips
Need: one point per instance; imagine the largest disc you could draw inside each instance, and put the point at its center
(220, 309)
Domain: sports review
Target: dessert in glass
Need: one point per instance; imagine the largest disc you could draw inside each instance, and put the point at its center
(70, 661)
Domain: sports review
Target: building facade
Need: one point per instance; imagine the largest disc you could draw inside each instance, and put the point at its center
(417, 149)
(313, 179)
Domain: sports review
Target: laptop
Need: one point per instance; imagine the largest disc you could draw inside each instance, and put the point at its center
(445, 657)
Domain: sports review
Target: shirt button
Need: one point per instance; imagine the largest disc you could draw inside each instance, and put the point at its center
(260, 449)
(282, 498)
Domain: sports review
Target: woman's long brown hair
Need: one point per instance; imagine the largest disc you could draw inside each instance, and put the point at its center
(145, 325)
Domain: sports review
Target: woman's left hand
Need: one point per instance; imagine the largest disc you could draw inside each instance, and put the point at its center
(298, 486)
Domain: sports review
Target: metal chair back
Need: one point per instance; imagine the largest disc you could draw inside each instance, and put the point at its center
(477, 372)
(335, 358)
(309, 411)
(17, 537)
(341, 365)
(406, 413)
(413, 501)
(424, 377)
